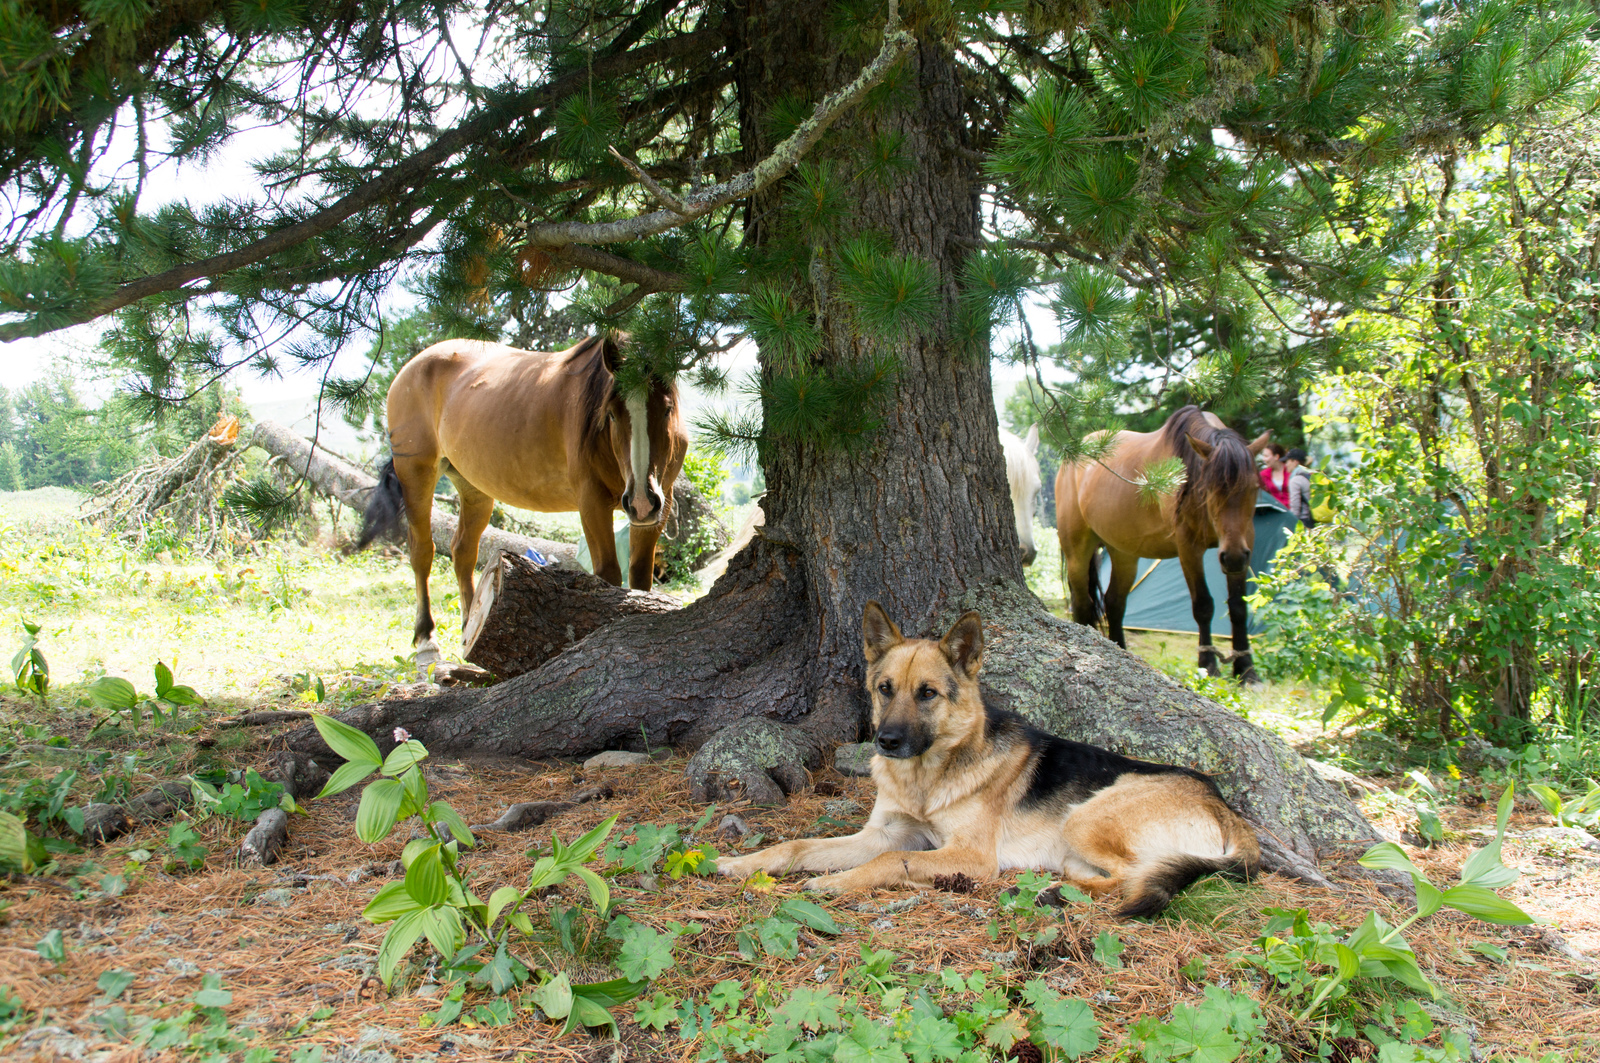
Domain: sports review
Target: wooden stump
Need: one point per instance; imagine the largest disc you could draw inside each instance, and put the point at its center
(524, 614)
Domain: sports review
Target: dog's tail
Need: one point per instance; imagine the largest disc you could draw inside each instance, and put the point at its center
(385, 517)
(1152, 891)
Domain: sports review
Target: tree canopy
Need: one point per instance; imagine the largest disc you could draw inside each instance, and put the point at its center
(1194, 173)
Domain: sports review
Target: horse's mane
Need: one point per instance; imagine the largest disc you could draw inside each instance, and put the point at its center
(588, 361)
(1230, 470)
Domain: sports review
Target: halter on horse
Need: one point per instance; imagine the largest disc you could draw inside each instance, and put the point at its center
(543, 431)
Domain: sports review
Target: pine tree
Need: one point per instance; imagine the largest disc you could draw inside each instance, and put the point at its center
(868, 190)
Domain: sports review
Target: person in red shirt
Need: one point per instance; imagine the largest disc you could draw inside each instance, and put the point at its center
(1275, 474)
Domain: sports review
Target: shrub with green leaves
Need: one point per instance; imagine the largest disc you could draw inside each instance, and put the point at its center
(474, 938)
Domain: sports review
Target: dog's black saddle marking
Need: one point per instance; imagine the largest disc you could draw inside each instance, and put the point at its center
(1071, 771)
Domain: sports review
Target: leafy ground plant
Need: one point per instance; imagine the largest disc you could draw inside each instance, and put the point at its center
(121, 700)
(474, 938)
(28, 668)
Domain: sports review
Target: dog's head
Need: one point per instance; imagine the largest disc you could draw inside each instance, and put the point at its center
(924, 693)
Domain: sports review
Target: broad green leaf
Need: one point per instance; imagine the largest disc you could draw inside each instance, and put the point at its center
(398, 941)
(555, 997)
(391, 902)
(599, 891)
(1549, 798)
(113, 983)
(610, 993)
(114, 693)
(407, 754)
(812, 915)
(1067, 1025)
(163, 679)
(351, 744)
(425, 879)
(1428, 898)
(443, 813)
(348, 774)
(779, 937)
(588, 1013)
(1108, 949)
(443, 928)
(1390, 856)
(581, 850)
(1346, 960)
(1486, 905)
(646, 952)
(380, 808)
(51, 948)
(14, 844)
(498, 900)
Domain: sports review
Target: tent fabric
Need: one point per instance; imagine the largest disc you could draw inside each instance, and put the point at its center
(1159, 600)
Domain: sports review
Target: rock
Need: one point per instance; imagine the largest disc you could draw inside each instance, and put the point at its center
(281, 896)
(1572, 836)
(183, 968)
(1354, 786)
(760, 761)
(855, 760)
(51, 1042)
(615, 758)
(733, 828)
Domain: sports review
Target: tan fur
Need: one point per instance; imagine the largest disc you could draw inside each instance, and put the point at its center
(957, 806)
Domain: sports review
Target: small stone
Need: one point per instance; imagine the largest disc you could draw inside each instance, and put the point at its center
(615, 758)
(821, 974)
(733, 828)
(183, 968)
(883, 924)
(1580, 839)
(854, 760)
(1106, 997)
(281, 896)
(841, 807)
(1004, 959)
(377, 1035)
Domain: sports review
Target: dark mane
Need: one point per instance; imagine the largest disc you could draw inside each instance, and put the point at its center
(1231, 469)
(589, 362)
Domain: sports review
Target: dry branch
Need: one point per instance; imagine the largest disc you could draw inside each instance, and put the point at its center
(183, 494)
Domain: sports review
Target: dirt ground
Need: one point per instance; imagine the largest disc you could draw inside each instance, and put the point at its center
(290, 940)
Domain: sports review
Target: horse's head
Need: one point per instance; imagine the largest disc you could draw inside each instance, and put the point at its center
(1022, 471)
(1221, 484)
(647, 440)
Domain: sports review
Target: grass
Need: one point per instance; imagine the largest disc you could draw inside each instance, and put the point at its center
(256, 632)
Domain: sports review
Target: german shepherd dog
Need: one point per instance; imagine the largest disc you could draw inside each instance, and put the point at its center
(971, 790)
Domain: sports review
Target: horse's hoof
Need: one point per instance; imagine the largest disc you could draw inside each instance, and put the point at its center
(427, 656)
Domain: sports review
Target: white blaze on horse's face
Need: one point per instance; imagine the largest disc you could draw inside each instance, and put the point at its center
(642, 497)
(1022, 470)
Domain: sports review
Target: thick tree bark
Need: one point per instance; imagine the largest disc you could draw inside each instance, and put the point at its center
(918, 517)
(523, 614)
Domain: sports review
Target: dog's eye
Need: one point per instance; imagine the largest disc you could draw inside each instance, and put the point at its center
(927, 694)
(886, 689)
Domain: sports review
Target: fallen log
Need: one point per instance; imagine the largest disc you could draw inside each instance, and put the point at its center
(352, 487)
(103, 822)
(302, 779)
(524, 614)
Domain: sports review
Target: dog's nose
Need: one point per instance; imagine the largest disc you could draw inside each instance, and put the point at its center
(891, 741)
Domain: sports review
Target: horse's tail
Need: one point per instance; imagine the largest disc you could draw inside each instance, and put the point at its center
(385, 517)
(1097, 605)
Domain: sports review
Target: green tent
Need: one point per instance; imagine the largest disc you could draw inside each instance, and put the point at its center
(1159, 600)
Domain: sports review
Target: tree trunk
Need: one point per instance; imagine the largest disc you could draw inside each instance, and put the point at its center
(523, 614)
(918, 517)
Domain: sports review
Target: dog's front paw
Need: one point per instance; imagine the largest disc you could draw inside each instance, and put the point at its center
(836, 883)
(740, 866)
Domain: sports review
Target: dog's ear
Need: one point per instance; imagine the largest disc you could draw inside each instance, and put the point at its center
(962, 645)
(878, 633)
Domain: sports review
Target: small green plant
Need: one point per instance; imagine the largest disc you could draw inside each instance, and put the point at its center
(28, 668)
(1376, 949)
(1019, 915)
(244, 800)
(1583, 813)
(185, 848)
(1425, 798)
(435, 901)
(121, 701)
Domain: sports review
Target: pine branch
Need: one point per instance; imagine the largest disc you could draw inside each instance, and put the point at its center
(897, 43)
(415, 169)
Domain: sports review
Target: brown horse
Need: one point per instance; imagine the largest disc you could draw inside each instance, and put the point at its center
(547, 432)
(1099, 505)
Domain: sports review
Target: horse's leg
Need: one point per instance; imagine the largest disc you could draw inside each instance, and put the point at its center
(1194, 574)
(1124, 567)
(1244, 668)
(595, 513)
(476, 509)
(642, 555)
(418, 474)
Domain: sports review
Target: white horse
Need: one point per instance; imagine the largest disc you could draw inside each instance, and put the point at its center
(1022, 469)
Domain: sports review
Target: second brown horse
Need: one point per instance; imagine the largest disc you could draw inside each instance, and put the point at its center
(1101, 504)
(549, 432)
